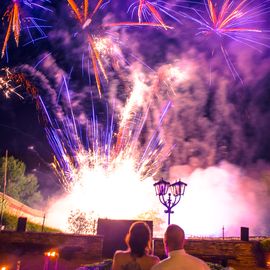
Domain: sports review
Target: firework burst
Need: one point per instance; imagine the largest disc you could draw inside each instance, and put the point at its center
(104, 150)
(85, 20)
(17, 21)
(101, 46)
(7, 85)
(152, 10)
(11, 80)
(106, 157)
(145, 9)
(237, 21)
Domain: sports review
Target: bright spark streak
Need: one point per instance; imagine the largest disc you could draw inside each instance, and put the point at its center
(86, 7)
(16, 22)
(7, 84)
(76, 9)
(85, 21)
(233, 20)
(136, 24)
(151, 11)
(14, 26)
(106, 47)
(228, 18)
(236, 20)
(144, 4)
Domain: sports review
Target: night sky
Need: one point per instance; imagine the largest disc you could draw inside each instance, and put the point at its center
(214, 117)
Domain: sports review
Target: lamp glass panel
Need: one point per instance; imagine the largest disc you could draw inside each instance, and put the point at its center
(176, 189)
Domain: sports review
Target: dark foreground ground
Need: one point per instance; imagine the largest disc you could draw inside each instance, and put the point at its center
(36, 261)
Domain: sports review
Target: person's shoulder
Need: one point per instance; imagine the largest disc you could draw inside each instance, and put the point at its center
(154, 258)
(155, 267)
(120, 253)
(158, 265)
(199, 261)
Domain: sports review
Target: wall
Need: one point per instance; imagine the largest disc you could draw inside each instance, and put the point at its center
(18, 209)
(29, 248)
(236, 252)
(75, 250)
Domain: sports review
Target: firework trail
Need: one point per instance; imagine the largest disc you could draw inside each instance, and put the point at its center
(95, 48)
(145, 9)
(101, 47)
(234, 20)
(17, 21)
(11, 80)
(151, 11)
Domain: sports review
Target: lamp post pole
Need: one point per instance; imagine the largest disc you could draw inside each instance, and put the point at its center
(169, 208)
(177, 190)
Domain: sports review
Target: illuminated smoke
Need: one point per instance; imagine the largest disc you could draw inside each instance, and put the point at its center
(225, 195)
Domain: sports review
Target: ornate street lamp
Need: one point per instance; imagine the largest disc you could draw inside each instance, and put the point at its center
(177, 190)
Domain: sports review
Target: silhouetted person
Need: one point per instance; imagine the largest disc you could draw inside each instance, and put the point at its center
(137, 256)
(178, 259)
